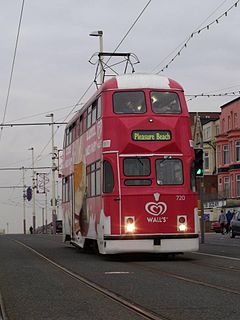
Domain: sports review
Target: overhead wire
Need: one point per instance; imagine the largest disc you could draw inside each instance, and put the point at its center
(91, 84)
(196, 32)
(131, 27)
(12, 68)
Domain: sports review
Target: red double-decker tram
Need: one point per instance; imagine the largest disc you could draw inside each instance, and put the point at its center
(129, 180)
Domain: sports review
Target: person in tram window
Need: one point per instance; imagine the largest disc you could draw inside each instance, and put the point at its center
(223, 221)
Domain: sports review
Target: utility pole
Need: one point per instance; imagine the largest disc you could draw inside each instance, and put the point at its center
(201, 181)
(46, 220)
(54, 154)
(42, 220)
(99, 34)
(33, 192)
(24, 203)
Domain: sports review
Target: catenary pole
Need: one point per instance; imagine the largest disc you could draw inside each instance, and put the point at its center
(24, 202)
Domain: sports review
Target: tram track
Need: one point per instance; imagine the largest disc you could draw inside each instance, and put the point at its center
(129, 304)
(187, 279)
(132, 306)
(213, 266)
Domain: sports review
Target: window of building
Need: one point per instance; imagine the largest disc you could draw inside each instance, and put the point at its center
(129, 102)
(237, 150)
(229, 123)
(225, 154)
(220, 185)
(223, 126)
(226, 187)
(93, 179)
(218, 156)
(207, 133)
(169, 171)
(235, 120)
(238, 185)
(231, 185)
(206, 160)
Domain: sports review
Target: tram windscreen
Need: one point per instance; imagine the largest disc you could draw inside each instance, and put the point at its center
(129, 102)
(137, 167)
(169, 171)
(165, 102)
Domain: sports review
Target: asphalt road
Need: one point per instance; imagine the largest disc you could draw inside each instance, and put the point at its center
(203, 285)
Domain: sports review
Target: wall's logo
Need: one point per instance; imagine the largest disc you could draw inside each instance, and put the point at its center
(156, 208)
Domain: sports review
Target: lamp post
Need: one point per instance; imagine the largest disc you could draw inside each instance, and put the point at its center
(33, 192)
(24, 203)
(99, 34)
(53, 201)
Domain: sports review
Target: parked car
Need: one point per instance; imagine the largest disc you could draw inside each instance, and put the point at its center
(235, 226)
(215, 226)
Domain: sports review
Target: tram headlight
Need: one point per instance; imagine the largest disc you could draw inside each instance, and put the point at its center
(182, 223)
(129, 224)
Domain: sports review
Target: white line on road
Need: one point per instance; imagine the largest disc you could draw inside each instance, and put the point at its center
(216, 256)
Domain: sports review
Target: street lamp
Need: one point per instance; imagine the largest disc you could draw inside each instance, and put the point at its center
(99, 34)
(53, 202)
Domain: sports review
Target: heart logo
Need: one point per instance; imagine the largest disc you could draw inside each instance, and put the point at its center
(156, 208)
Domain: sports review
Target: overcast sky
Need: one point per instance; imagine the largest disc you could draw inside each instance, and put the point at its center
(52, 71)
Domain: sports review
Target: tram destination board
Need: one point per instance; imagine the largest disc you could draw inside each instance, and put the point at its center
(151, 135)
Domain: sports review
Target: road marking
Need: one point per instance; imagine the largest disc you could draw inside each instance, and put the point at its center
(216, 256)
(117, 272)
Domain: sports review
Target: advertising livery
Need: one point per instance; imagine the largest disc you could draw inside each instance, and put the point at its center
(128, 169)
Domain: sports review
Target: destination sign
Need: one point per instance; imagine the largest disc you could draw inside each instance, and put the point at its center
(151, 135)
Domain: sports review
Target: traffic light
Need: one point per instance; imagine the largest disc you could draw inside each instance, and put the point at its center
(29, 193)
(198, 162)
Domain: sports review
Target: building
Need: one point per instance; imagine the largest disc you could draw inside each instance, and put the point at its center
(205, 127)
(228, 154)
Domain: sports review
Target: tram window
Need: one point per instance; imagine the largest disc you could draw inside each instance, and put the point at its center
(169, 172)
(94, 114)
(136, 166)
(108, 177)
(84, 121)
(130, 102)
(89, 113)
(81, 125)
(138, 182)
(66, 185)
(165, 102)
(99, 107)
(93, 179)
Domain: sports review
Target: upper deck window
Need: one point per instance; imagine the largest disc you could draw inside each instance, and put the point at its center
(129, 102)
(169, 171)
(165, 102)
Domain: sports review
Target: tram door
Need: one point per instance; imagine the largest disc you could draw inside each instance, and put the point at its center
(111, 191)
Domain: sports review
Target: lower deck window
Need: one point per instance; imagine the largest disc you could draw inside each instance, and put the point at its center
(138, 182)
(169, 172)
(93, 179)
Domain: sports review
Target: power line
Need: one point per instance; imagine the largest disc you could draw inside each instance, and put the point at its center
(31, 124)
(226, 94)
(46, 112)
(24, 168)
(197, 32)
(129, 30)
(12, 68)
